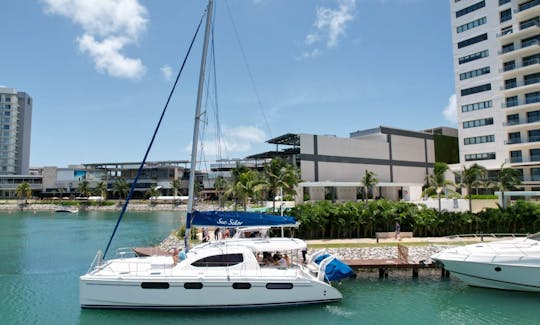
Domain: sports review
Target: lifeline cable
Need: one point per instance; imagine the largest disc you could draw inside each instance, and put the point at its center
(139, 171)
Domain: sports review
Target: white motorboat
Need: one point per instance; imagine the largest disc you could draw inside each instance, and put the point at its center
(506, 264)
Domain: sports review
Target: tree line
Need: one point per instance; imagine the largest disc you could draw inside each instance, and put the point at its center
(324, 219)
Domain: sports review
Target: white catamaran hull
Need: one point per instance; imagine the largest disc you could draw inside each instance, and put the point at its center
(218, 293)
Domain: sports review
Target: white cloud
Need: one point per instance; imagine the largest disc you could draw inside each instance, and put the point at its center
(166, 71)
(239, 140)
(450, 111)
(330, 24)
(108, 27)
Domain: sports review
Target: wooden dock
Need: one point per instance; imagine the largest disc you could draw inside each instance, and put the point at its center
(401, 262)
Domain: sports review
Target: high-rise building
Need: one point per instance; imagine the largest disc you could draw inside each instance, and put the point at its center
(15, 131)
(497, 71)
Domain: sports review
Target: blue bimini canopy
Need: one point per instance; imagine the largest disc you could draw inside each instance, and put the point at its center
(238, 219)
(336, 270)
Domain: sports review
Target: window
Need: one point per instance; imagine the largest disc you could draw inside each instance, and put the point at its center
(474, 73)
(512, 119)
(515, 156)
(470, 8)
(508, 48)
(476, 106)
(474, 90)
(502, 2)
(155, 285)
(534, 135)
(529, 23)
(530, 41)
(471, 25)
(514, 137)
(480, 156)
(241, 285)
(533, 116)
(219, 260)
(193, 285)
(510, 65)
(532, 97)
(505, 15)
(510, 83)
(529, 4)
(477, 123)
(480, 139)
(474, 56)
(534, 154)
(7, 99)
(512, 101)
(535, 174)
(473, 40)
(506, 30)
(279, 286)
(531, 78)
(529, 60)
(6, 127)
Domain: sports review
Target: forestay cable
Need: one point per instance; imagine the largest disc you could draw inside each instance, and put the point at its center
(139, 171)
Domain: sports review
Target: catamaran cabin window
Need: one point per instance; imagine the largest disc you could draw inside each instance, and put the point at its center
(279, 286)
(219, 260)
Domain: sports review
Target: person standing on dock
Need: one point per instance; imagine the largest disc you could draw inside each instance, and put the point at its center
(398, 230)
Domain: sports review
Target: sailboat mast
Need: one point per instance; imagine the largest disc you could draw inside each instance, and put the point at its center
(191, 188)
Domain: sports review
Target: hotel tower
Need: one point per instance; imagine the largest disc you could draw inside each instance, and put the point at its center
(15, 131)
(497, 76)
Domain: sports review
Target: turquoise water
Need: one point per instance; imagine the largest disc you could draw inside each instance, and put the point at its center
(43, 254)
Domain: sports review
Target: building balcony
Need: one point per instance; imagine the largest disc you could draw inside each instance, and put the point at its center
(527, 10)
(521, 122)
(520, 68)
(526, 31)
(527, 140)
(519, 87)
(520, 50)
(520, 105)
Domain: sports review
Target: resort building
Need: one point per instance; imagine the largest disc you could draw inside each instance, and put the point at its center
(497, 77)
(15, 124)
(332, 167)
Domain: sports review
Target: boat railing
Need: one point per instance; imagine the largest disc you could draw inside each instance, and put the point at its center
(125, 252)
(481, 236)
(97, 261)
(494, 236)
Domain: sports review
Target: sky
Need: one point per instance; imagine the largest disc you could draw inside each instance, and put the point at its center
(100, 72)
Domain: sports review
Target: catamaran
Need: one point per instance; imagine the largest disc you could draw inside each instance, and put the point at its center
(220, 274)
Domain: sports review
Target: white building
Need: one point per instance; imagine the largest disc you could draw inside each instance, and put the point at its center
(333, 167)
(497, 71)
(15, 131)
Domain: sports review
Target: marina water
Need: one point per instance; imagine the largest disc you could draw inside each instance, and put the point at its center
(43, 254)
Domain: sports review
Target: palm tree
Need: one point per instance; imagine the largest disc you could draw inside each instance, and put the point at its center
(153, 192)
(120, 187)
(24, 191)
(472, 177)
(368, 181)
(84, 189)
(244, 186)
(176, 185)
(437, 181)
(280, 175)
(101, 190)
(220, 184)
(508, 178)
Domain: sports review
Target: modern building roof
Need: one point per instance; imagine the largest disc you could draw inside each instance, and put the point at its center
(393, 131)
(290, 139)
